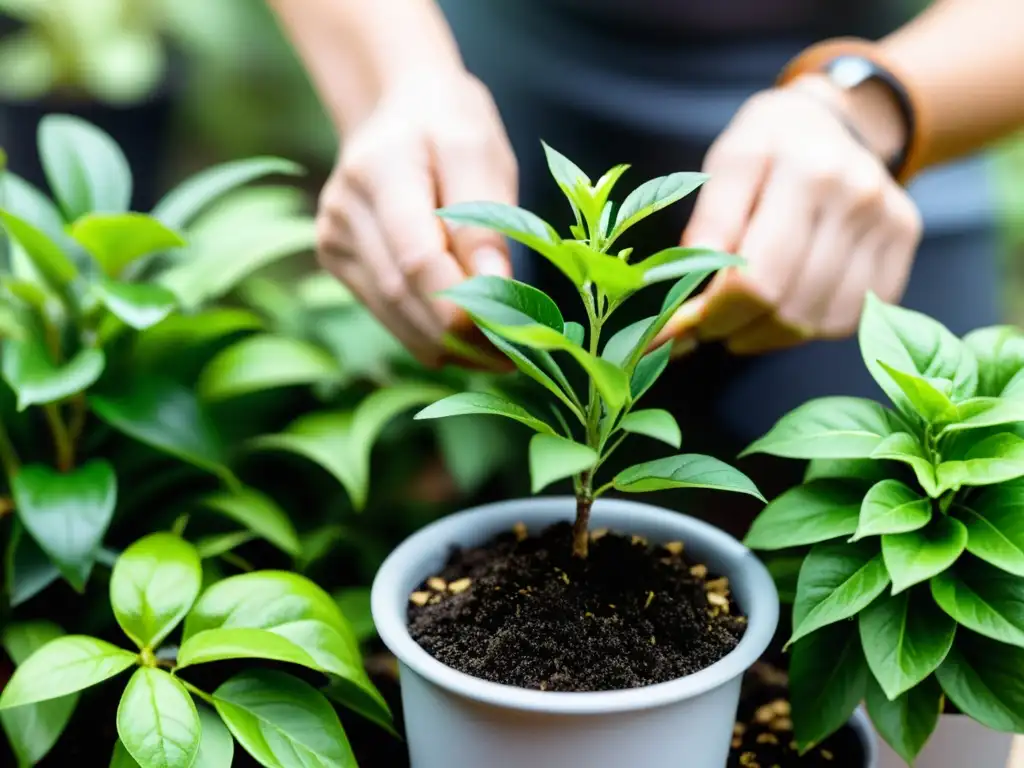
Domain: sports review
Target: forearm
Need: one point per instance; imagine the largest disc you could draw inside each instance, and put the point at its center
(964, 61)
(354, 49)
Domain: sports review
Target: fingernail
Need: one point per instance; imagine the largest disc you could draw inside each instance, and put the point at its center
(684, 345)
(490, 261)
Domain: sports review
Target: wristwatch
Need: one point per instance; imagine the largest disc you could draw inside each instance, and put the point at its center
(849, 63)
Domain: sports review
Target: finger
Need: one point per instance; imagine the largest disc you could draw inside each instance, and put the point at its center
(845, 307)
(463, 178)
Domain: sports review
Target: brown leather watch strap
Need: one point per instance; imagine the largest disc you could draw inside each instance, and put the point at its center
(819, 56)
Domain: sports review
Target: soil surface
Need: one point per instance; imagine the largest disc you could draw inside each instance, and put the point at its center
(520, 610)
(763, 734)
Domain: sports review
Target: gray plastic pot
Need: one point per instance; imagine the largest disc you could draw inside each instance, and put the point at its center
(453, 720)
(861, 725)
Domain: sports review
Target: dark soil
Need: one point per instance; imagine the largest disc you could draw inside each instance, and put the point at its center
(520, 610)
(763, 735)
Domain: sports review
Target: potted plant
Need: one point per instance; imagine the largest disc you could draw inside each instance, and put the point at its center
(909, 524)
(541, 642)
(98, 441)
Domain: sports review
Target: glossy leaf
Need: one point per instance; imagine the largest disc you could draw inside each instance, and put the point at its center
(912, 342)
(983, 599)
(500, 301)
(153, 585)
(216, 746)
(354, 603)
(612, 275)
(1000, 353)
(29, 370)
(121, 758)
(467, 403)
(654, 422)
(864, 472)
(536, 364)
(63, 666)
(995, 526)
(519, 225)
(907, 722)
(565, 172)
(807, 514)
(67, 513)
(218, 544)
(183, 203)
(677, 294)
(829, 428)
(45, 253)
(982, 678)
(157, 720)
(673, 263)
(342, 442)
(265, 361)
(995, 459)
(648, 370)
(85, 168)
(907, 449)
(257, 513)
(27, 569)
(928, 400)
(980, 412)
(918, 555)
(556, 458)
(892, 507)
(827, 679)
(237, 643)
(32, 730)
(117, 240)
(283, 722)
(685, 471)
(905, 638)
(168, 417)
(620, 347)
(837, 581)
(139, 305)
(654, 195)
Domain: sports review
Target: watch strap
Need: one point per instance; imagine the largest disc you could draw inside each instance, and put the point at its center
(820, 56)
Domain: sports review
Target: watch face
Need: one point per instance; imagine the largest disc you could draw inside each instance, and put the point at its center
(850, 71)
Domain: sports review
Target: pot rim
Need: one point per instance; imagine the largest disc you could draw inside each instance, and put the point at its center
(390, 593)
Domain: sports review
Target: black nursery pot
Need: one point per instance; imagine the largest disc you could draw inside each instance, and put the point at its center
(140, 129)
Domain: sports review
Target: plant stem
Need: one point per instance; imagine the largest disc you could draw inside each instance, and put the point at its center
(79, 409)
(62, 441)
(197, 691)
(6, 506)
(585, 488)
(8, 457)
(580, 528)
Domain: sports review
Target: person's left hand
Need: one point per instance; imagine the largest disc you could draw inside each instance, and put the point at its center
(816, 215)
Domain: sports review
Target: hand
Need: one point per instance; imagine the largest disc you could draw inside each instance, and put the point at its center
(816, 215)
(431, 141)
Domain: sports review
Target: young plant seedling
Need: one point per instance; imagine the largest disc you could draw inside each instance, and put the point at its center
(527, 326)
(910, 522)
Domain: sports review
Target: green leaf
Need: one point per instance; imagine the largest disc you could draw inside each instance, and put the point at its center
(827, 678)
(905, 638)
(221, 644)
(117, 240)
(653, 422)
(85, 168)
(465, 403)
(183, 203)
(121, 758)
(67, 513)
(555, 458)
(673, 263)
(995, 526)
(892, 507)
(648, 370)
(166, 416)
(677, 294)
(1000, 353)
(36, 380)
(685, 471)
(916, 556)
(906, 448)
(216, 747)
(609, 273)
(536, 364)
(46, 255)
(910, 341)
(907, 722)
(342, 442)
(620, 347)
(983, 679)
(498, 301)
(354, 603)
(927, 400)
(139, 305)
(157, 720)
(807, 514)
(25, 201)
(863, 471)
(28, 571)
(829, 428)
(995, 459)
(218, 544)
(63, 666)
(518, 224)
(983, 599)
(566, 173)
(182, 333)
(283, 722)
(654, 195)
(574, 332)
(980, 412)
(154, 583)
(32, 730)
(263, 362)
(837, 581)
(258, 513)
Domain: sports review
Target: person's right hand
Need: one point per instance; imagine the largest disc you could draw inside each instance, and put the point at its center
(431, 141)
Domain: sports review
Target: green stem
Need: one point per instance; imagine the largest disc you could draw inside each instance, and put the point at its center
(584, 490)
(197, 692)
(946, 500)
(62, 441)
(8, 456)
(611, 450)
(604, 489)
